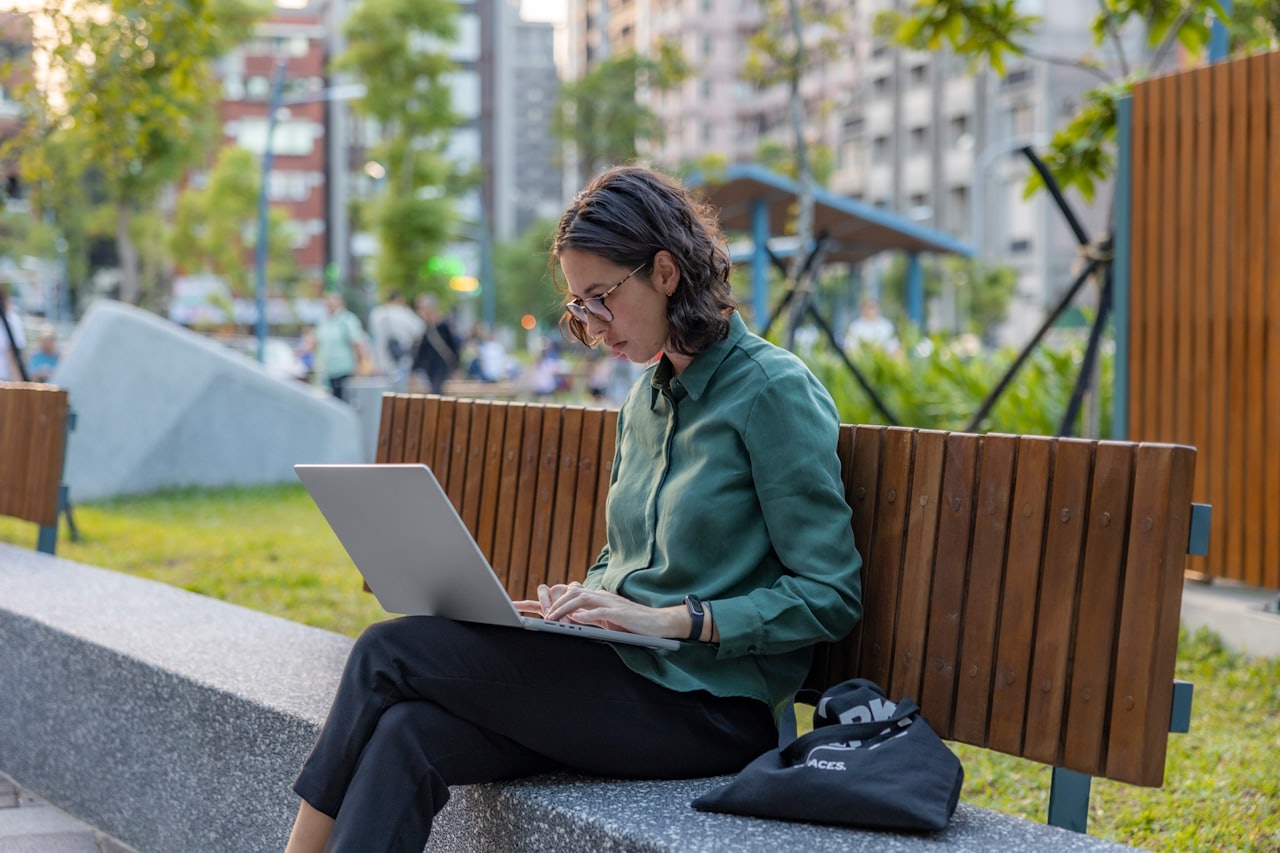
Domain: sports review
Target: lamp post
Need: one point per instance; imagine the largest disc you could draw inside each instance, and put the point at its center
(275, 102)
(978, 213)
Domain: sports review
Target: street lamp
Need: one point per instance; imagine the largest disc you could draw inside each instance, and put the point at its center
(274, 104)
(978, 213)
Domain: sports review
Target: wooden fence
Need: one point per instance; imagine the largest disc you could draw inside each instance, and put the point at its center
(1205, 297)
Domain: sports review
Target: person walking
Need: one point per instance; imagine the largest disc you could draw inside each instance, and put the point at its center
(341, 345)
(436, 354)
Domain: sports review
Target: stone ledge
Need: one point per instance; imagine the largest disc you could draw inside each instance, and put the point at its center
(176, 722)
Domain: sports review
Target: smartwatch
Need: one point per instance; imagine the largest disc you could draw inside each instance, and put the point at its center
(697, 613)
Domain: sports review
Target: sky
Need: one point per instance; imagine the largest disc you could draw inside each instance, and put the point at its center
(542, 10)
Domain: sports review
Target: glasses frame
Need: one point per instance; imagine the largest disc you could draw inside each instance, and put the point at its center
(582, 310)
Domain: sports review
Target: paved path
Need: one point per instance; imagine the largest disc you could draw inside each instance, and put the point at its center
(28, 824)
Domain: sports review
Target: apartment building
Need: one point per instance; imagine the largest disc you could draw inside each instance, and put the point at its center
(503, 89)
(916, 133)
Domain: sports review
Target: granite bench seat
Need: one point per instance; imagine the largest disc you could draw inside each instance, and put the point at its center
(176, 722)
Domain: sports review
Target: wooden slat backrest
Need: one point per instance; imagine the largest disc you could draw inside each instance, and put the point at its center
(33, 433)
(1003, 575)
(512, 470)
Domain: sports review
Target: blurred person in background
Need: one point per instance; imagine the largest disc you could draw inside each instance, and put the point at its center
(394, 328)
(45, 358)
(437, 352)
(342, 350)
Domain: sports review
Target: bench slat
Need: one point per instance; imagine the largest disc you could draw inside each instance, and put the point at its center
(460, 441)
(1059, 610)
(585, 544)
(508, 500)
(473, 456)
(946, 603)
(1095, 650)
(520, 569)
(982, 595)
(1021, 588)
(882, 570)
(561, 519)
(915, 588)
(491, 481)
(1141, 705)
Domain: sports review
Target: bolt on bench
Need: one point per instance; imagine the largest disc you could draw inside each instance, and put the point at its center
(1024, 590)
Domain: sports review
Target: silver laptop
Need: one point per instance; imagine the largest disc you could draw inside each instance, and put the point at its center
(402, 532)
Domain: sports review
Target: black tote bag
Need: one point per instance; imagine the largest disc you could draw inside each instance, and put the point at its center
(867, 763)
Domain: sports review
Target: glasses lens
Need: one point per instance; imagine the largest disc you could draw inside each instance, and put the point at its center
(593, 307)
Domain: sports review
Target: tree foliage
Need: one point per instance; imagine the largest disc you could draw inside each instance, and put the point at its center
(135, 94)
(1081, 152)
(522, 278)
(600, 114)
(216, 226)
(400, 50)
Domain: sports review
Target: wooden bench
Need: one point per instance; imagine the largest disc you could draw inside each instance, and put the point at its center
(1024, 590)
(34, 419)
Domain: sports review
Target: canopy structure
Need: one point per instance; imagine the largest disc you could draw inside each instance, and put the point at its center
(762, 203)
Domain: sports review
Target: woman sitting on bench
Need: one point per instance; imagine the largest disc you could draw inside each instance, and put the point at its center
(727, 528)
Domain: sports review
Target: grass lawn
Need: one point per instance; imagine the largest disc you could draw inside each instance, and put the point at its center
(269, 549)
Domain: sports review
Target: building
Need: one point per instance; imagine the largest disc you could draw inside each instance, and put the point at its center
(916, 133)
(503, 90)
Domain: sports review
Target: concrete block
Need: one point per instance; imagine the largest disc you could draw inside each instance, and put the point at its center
(158, 406)
(170, 720)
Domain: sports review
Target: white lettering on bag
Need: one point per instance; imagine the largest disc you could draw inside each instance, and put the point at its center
(874, 711)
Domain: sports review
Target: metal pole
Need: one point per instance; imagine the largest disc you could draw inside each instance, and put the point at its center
(1123, 231)
(260, 250)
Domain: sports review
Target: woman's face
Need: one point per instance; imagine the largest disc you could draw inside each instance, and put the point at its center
(638, 330)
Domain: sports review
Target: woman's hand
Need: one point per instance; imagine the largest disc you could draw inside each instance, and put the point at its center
(575, 603)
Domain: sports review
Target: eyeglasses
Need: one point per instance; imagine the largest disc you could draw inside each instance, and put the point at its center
(583, 310)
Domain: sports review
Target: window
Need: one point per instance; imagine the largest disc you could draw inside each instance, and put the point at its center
(880, 149)
(919, 75)
(1020, 245)
(957, 129)
(880, 86)
(919, 140)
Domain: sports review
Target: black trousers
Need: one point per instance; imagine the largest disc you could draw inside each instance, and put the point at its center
(425, 703)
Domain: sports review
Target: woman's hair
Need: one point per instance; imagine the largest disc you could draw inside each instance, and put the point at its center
(627, 215)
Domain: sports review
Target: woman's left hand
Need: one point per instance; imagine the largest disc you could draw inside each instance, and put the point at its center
(576, 603)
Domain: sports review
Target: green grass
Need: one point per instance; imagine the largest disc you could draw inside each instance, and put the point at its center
(269, 549)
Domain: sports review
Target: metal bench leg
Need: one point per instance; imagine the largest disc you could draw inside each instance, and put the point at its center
(1069, 799)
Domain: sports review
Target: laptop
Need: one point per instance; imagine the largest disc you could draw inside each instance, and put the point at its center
(407, 540)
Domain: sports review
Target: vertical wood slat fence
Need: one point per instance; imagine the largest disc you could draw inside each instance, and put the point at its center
(1205, 297)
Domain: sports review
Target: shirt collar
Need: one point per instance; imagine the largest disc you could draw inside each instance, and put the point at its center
(697, 375)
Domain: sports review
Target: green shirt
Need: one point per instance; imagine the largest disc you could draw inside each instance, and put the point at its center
(726, 485)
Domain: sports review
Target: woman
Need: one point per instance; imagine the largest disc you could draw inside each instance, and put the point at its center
(727, 528)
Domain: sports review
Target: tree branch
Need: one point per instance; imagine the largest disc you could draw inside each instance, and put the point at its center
(1169, 39)
(1114, 35)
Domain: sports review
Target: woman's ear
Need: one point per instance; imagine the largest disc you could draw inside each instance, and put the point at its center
(666, 272)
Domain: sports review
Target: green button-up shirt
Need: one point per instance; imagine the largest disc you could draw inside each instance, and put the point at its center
(726, 484)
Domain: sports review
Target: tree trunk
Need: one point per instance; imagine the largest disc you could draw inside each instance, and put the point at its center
(804, 178)
(130, 285)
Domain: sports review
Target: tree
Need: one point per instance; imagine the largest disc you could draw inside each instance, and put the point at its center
(600, 115)
(399, 50)
(1081, 152)
(135, 94)
(211, 226)
(522, 278)
(796, 36)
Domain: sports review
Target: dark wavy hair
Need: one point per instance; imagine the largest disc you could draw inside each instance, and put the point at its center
(630, 213)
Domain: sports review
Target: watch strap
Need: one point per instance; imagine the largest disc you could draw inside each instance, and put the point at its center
(697, 615)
